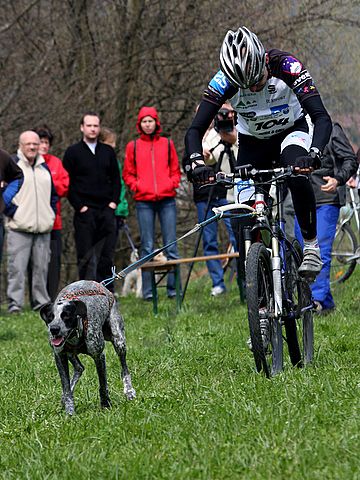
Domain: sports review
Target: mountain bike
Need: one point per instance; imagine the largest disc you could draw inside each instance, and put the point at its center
(346, 251)
(279, 301)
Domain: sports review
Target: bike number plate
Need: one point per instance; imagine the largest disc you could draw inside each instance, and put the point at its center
(244, 190)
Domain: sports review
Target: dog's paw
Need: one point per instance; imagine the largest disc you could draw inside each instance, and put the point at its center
(130, 393)
(69, 408)
(105, 403)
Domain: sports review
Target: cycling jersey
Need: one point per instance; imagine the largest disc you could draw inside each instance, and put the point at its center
(289, 92)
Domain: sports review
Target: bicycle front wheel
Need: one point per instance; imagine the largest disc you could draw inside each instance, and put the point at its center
(299, 326)
(344, 247)
(265, 329)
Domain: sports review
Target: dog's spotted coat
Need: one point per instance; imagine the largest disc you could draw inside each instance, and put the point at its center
(82, 317)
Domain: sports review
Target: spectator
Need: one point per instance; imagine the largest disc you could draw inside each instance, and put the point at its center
(338, 165)
(31, 211)
(60, 179)
(94, 192)
(10, 175)
(151, 171)
(220, 151)
(108, 137)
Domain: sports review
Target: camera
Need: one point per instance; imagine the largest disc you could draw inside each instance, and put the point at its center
(224, 120)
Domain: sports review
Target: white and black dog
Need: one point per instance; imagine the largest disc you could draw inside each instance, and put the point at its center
(82, 317)
(133, 281)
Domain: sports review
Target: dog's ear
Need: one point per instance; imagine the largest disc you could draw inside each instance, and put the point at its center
(46, 312)
(80, 308)
(71, 312)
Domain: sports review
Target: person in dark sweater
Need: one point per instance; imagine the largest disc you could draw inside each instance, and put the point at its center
(94, 192)
(329, 183)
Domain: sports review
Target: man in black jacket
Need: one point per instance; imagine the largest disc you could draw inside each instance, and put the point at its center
(94, 192)
(329, 184)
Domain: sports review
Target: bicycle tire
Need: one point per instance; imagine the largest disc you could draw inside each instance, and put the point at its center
(260, 304)
(345, 245)
(299, 325)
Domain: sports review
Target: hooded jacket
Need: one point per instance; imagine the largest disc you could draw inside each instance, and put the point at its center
(151, 166)
(32, 208)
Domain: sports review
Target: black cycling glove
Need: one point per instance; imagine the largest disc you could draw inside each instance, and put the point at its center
(310, 161)
(201, 174)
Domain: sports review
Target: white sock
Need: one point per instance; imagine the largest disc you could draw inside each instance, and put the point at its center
(312, 244)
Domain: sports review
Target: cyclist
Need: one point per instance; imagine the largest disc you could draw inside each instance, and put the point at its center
(271, 91)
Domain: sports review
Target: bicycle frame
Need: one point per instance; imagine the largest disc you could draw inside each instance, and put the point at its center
(271, 222)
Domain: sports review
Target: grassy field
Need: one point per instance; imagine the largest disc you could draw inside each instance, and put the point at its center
(201, 411)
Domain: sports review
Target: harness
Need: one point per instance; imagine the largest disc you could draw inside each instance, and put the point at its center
(80, 331)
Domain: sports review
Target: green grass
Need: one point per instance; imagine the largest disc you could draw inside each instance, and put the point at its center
(201, 411)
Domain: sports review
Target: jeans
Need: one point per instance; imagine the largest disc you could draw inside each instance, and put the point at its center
(146, 214)
(210, 242)
(326, 217)
(1, 235)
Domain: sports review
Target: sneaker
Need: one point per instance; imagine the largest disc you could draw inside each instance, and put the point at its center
(215, 291)
(312, 263)
(14, 309)
(320, 310)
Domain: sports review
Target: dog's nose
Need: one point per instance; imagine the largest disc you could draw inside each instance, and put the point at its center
(54, 330)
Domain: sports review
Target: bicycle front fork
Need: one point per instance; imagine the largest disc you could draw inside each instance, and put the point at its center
(276, 272)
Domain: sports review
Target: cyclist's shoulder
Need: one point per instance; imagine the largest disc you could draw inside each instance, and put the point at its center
(220, 84)
(284, 64)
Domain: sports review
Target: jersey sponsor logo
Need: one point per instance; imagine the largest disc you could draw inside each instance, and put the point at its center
(292, 66)
(305, 75)
(271, 89)
(248, 114)
(283, 109)
(305, 89)
(219, 82)
(245, 104)
(271, 123)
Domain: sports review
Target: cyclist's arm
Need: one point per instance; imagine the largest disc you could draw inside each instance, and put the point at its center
(201, 122)
(321, 120)
(217, 92)
(287, 67)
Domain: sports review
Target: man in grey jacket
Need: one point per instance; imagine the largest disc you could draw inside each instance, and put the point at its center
(31, 214)
(329, 183)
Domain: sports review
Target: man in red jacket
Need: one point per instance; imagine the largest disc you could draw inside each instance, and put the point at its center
(60, 178)
(151, 171)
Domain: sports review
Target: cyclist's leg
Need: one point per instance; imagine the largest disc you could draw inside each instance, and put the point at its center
(260, 154)
(296, 144)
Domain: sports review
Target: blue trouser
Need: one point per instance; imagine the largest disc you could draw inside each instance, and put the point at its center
(326, 217)
(146, 213)
(1, 235)
(210, 242)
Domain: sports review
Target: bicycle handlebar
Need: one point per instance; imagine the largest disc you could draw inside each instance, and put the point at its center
(246, 172)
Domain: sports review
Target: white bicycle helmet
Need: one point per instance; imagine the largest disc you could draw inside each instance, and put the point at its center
(242, 57)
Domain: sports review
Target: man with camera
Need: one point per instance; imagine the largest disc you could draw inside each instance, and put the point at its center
(220, 152)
